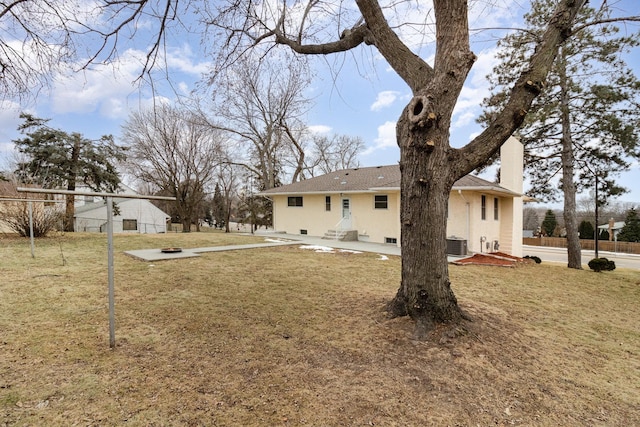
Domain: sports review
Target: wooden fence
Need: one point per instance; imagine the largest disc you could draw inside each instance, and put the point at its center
(603, 245)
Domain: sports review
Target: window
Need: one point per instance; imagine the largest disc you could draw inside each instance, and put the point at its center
(496, 208)
(129, 224)
(380, 202)
(327, 203)
(303, 231)
(483, 208)
(391, 240)
(294, 201)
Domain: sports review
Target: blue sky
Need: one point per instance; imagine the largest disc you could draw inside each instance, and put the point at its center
(364, 100)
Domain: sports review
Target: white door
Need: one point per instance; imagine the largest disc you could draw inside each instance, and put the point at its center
(346, 214)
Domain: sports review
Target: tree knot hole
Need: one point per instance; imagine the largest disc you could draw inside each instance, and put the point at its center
(418, 107)
(418, 111)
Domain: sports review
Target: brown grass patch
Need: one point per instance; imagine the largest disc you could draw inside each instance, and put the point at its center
(284, 336)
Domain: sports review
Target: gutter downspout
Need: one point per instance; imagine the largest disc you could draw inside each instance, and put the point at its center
(468, 218)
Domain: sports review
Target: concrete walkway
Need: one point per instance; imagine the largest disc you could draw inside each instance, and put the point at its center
(158, 255)
(272, 239)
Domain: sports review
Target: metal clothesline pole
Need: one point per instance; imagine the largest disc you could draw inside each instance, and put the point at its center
(110, 263)
(110, 274)
(33, 254)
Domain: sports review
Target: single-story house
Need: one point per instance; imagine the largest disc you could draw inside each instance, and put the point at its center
(364, 204)
(134, 215)
(613, 228)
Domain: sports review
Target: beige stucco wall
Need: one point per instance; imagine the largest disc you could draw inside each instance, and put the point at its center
(376, 225)
(311, 216)
(373, 225)
(465, 219)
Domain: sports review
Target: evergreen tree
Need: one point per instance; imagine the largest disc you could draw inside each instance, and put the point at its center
(586, 230)
(57, 159)
(631, 230)
(586, 119)
(549, 223)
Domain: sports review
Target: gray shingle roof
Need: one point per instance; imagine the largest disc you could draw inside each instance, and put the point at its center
(375, 178)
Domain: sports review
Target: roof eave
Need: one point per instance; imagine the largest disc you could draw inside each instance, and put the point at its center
(489, 190)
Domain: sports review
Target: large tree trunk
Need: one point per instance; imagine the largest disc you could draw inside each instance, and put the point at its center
(428, 164)
(72, 176)
(574, 250)
(186, 224)
(69, 211)
(426, 180)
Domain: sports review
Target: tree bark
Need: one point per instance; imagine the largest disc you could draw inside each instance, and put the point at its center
(574, 249)
(72, 177)
(429, 166)
(426, 179)
(425, 292)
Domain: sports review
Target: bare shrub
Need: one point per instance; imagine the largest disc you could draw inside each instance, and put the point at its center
(45, 218)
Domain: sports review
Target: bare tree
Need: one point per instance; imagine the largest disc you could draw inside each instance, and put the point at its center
(228, 178)
(335, 152)
(260, 104)
(175, 152)
(40, 39)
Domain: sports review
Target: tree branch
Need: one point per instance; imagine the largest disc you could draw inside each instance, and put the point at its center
(409, 66)
(353, 38)
(530, 83)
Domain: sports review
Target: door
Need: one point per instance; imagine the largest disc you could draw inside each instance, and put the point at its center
(346, 214)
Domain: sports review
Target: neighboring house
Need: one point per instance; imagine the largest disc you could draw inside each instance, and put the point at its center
(135, 215)
(364, 204)
(613, 228)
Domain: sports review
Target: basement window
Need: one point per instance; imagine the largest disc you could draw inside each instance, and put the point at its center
(391, 240)
(303, 231)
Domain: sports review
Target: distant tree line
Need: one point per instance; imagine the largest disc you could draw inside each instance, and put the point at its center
(551, 226)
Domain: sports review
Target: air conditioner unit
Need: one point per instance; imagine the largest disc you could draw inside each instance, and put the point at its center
(456, 246)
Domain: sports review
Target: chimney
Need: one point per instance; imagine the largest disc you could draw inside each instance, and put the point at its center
(511, 178)
(512, 165)
(611, 225)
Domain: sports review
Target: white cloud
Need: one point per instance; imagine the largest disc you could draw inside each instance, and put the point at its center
(384, 99)
(105, 89)
(182, 60)
(88, 91)
(9, 122)
(386, 138)
(319, 129)
(183, 87)
(475, 90)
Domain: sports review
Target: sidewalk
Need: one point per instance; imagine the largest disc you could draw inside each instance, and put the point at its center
(547, 254)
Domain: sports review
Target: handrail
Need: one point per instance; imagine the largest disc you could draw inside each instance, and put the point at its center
(338, 227)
